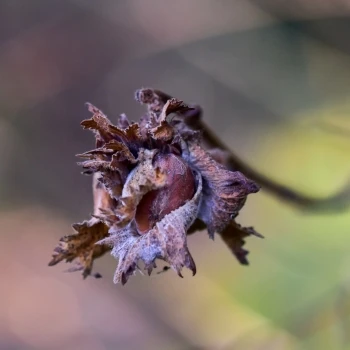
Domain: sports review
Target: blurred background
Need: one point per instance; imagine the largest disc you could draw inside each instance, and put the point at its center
(273, 78)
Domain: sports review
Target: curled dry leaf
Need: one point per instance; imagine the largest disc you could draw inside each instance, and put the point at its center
(141, 180)
(233, 235)
(154, 183)
(166, 241)
(80, 247)
(225, 192)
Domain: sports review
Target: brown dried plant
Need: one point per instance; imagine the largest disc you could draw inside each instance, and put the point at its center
(155, 182)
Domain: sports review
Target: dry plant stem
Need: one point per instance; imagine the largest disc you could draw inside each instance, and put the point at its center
(336, 202)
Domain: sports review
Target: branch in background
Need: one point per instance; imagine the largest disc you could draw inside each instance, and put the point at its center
(336, 202)
(333, 129)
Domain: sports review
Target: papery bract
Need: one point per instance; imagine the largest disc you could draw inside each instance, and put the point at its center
(154, 183)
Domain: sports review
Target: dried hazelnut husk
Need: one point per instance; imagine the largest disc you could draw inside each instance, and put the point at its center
(178, 189)
(155, 183)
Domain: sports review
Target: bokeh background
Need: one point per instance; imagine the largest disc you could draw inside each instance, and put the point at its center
(273, 78)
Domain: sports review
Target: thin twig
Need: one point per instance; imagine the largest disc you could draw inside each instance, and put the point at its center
(336, 202)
